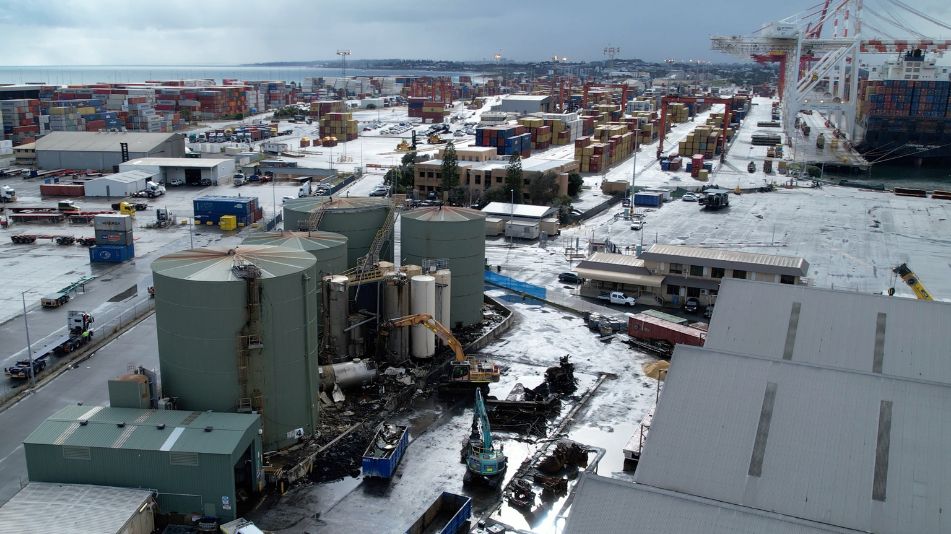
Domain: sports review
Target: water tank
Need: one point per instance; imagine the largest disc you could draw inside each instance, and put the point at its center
(237, 331)
(423, 300)
(457, 235)
(357, 218)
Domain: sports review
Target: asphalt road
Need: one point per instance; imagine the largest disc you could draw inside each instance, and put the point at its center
(86, 384)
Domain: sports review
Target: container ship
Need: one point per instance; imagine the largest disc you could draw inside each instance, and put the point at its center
(904, 111)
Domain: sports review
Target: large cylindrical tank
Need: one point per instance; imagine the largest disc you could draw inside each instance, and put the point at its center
(328, 248)
(423, 300)
(346, 374)
(237, 331)
(358, 218)
(457, 235)
(443, 296)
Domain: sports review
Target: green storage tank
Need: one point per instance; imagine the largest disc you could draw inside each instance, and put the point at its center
(357, 218)
(228, 347)
(457, 235)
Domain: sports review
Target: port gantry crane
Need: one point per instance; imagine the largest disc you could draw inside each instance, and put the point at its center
(816, 71)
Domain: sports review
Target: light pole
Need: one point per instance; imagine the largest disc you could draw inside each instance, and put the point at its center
(29, 344)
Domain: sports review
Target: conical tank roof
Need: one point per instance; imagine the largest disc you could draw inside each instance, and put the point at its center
(216, 264)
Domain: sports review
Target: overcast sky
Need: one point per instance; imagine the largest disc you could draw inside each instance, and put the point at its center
(207, 32)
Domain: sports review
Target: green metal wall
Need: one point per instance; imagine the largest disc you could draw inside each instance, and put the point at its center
(198, 323)
(357, 218)
(458, 235)
(181, 489)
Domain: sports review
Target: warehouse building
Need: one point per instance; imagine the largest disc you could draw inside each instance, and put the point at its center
(521, 221)
(183, 171)
(121, 184)
(78, 509)
(524, 104)
(669, 274)
(838, 404)
(196, 462)
(102, 151)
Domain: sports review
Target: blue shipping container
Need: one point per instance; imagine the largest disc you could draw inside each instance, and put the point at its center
(648, 199)
(111, 253)
(380, 462)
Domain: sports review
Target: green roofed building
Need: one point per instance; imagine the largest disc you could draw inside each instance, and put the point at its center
(195, 462)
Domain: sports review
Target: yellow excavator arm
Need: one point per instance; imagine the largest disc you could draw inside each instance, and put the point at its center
(909, 277)
(426, 320)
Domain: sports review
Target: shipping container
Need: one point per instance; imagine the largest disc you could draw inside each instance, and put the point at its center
(648, 199)
(111, 253)
(110, 237)
(646, 327)
(113, 222)
(62, 190)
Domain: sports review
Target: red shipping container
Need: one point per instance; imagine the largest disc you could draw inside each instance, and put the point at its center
(650, 328)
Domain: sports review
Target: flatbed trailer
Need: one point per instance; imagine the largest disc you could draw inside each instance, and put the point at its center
(28, 239)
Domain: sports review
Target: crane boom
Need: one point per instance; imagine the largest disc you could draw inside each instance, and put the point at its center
(483, 418)
(426, 320)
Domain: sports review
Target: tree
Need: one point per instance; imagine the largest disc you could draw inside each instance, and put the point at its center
(450, 168)
(564, 209)
(513, 175)
(543, 188)
(496, 194)
(574, 184)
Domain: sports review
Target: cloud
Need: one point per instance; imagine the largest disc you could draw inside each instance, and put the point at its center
(189, 32)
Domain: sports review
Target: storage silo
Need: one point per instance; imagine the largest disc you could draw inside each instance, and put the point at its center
(456, 235)
(237, 331)
(423, 300)
(329, 248)
(357, 218)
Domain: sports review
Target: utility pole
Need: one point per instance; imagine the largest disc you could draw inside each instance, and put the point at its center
(29, 344)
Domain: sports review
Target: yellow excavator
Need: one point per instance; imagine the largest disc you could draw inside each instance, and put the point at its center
(403, 146)
(909, 277)
(463, 369)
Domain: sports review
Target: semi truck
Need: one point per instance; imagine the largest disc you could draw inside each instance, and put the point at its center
(78, 333)
(8, 194)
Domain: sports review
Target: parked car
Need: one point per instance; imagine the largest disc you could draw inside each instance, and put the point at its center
(638, 224)
(691, 305)
(569, 278)
(689, 197)
(176, 182)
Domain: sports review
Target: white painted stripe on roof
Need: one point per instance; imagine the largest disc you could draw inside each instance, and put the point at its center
(172, 438)
(92, 411)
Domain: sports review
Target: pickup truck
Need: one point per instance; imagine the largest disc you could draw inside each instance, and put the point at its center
(618, 297)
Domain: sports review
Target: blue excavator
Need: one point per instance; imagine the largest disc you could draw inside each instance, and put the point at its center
(484, 464)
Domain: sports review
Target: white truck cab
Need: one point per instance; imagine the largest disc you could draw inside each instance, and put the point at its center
(618, 297)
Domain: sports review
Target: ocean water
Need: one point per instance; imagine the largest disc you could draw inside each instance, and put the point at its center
(70, 74)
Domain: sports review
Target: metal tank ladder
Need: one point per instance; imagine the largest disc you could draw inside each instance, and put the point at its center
(313, 219)
(249, 339)
(367, 269)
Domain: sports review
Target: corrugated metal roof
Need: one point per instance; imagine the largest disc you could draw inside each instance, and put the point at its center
(102, 141)
(73, 508)
(309, 241)
(309, 204)
(620, 268)
(606, 506)
(628, 260)
(444, 214)
(193, 163)
(646, 280)
(835, 328)
(858, 450)
(140, 430)
(529, 98)
(762, 263)
(506, 209)
(123, 177)
(215, 263)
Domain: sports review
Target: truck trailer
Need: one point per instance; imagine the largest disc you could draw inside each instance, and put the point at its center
(659, 335)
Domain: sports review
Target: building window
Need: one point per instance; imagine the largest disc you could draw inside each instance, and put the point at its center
(717, 272)
(676, 268)
(478, 180)
(693, 292)
(498, 179)
(739, 274)
(696, 270)
(787, 279)
(673, 290)
(525, 182)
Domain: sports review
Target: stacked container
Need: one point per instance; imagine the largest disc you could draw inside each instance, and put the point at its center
(507, 140)
(113, 239)
(340, 125)
(21, 120)
(209, 210)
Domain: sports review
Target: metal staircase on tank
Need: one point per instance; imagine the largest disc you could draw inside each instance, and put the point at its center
(368, 266)
(313, 219)
(249, 339)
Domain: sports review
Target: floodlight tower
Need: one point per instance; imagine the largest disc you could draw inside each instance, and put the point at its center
(343, 60)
